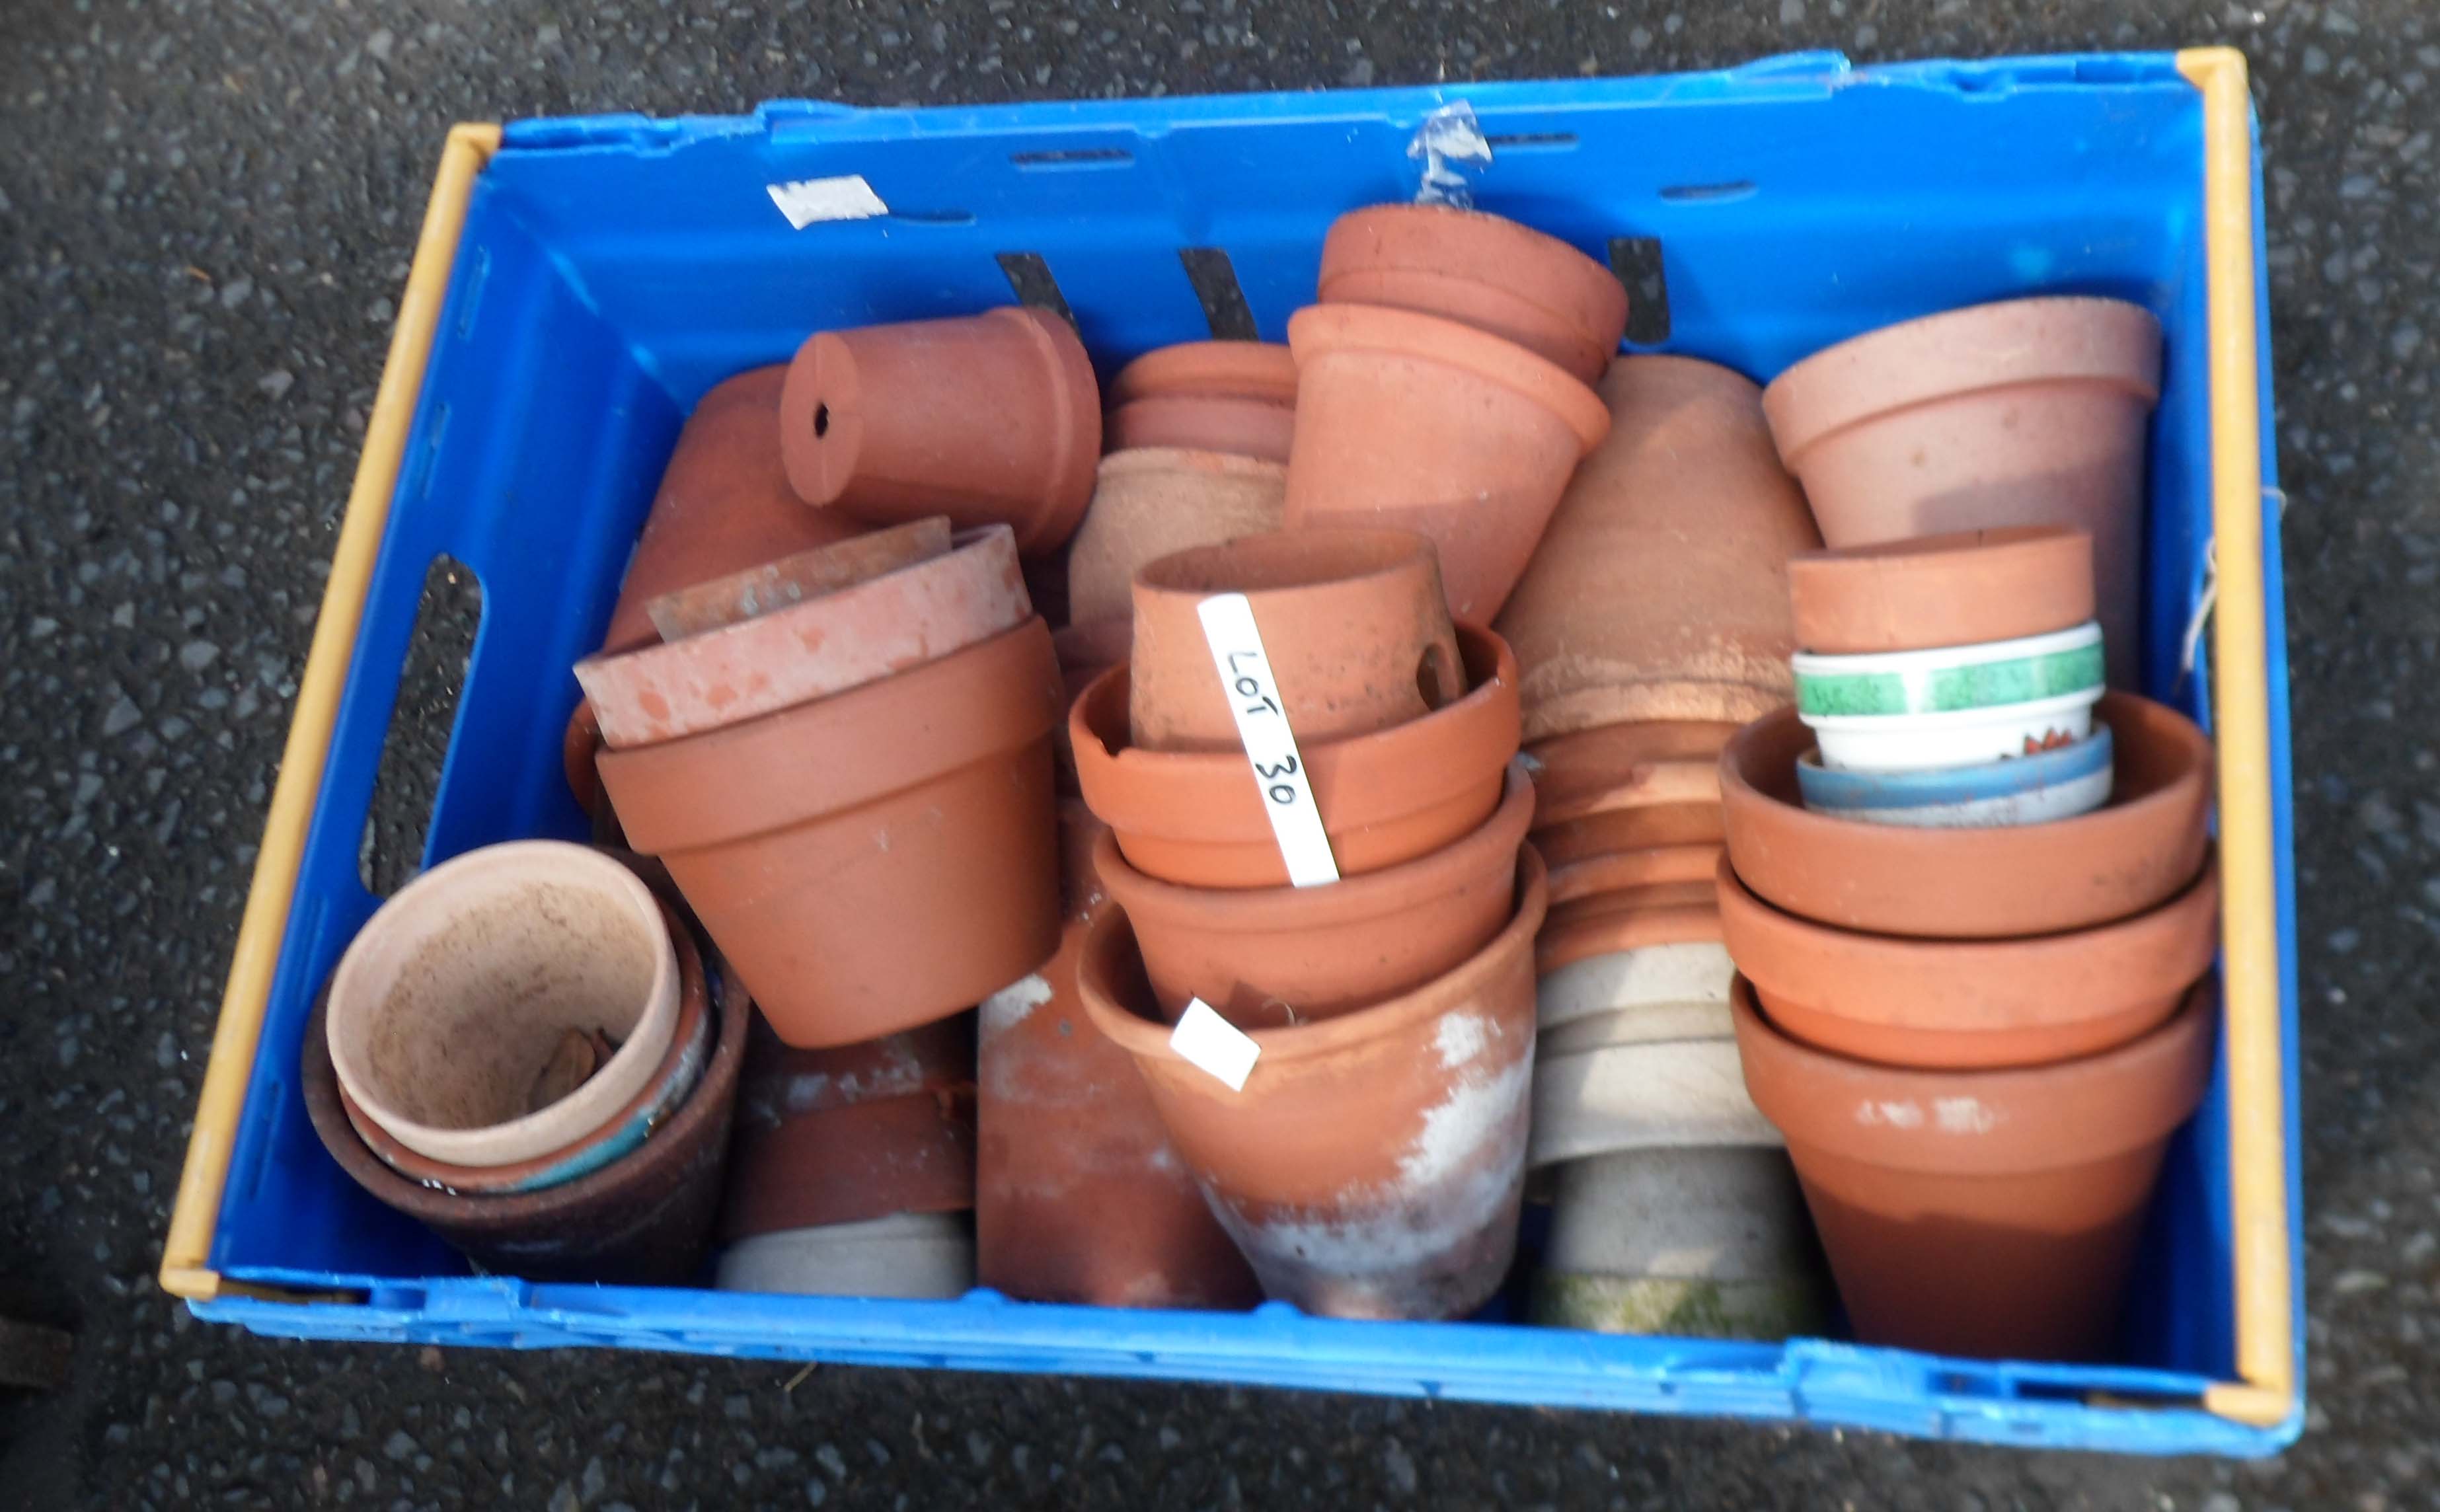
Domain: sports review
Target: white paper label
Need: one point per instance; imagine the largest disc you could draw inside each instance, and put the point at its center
(807, 200)
(1215, 1045)
(1271, 745)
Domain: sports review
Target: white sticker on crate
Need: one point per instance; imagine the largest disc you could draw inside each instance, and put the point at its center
(1213, 1045)
(810, 201)
(1271, 745)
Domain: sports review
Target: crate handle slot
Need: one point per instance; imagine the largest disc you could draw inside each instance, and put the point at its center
(1073, 157)
(431, 675)
(1531, 141)
(1636, 260)
(1735, 189)
(1223, 297)
(1029, 276)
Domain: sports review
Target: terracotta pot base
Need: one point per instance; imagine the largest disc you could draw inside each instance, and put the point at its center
(1682, 971)
(1151, 501)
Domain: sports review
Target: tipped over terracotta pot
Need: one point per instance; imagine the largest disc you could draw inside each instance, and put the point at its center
(2145, 845)
(1992, 1213)
(1237, 397)
(1151, 501)
(993, 418)
(1374, 1165)
(1351, 622)
(1961, 589)
(1425, 425)
(2022, 412)
(1659, 591)
(1486, 270)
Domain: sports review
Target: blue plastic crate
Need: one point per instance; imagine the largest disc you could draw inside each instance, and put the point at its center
(610, 269)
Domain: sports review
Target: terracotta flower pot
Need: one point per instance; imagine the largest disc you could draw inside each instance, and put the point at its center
(1372, 1165)
(1650, 897)
(1621, 831)
(1673, 974)
(1484, 270)
(877, 859)
(771, 586)
(1155, 500)
(1969, 1004)
(1080, 1198)
(1650, 1077)
(1622, 931)
(1196, 818)
(1084, 652)
(1991, 1213)
(993, 418)
(812, 649)
(1237, 397)
(1621, 869)
(642, 1220)
(453, 1010)
(1353, 624)
(1966, 589)
(854, 1133)
(1405, 420)
(2024, 412)
(1264, 957)
(1660, 589)
(1989, 884)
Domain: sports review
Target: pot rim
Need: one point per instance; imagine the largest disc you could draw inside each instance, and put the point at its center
(1593, 302)
(1136, 460)
(1611, 934)
(1950, 354)
(1864, 592)
(1258, 371)
(1362, 555)
(1935, 659)
(1147, 1040)
(1321, 330)
(1948, 719)
(1835, 789)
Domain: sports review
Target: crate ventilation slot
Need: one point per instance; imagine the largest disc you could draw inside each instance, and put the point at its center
(408, 783)
(1636, 260)
(1224, 300)
(1030, 278)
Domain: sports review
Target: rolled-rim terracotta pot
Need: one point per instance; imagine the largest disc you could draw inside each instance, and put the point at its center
(1969, 1004)
(1409, 421)
(1648, 898)
(1264, 957)
(1484, 270)
(1692, 779)
(1966, 587)
(454, 1009)
(878, 859)
(1236, 370)
(1677, 972)
(812, 649)
(1150, 501)
(1237, 397)
(1992, 1213)
(1660, 589)
(993, 418)
(768, 587)
(1372, 1165)
(1351, 622)
(1612, 933)
(1197, 818)
(2022, 412)
(644, 1219)
(914, 1256)
(1084, 652)
(1080, 1196)
(1991, 884)
(1632, 868)
(1629, 829)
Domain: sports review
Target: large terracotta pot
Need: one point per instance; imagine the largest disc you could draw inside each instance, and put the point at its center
(874, 861)
(993, 418)
(819, 646)
(1969, 1005)
(1405, 420)
(1353, 624)
(1992, 1213)
(1237, 397)
(1484, 270)
(1374, 1165)
(1989, 884)
(1153, 501)
(1967, 588)
(2024, 412)
(1660, 592)
(1198, 818)
(1080, 1198)
(1288, 955)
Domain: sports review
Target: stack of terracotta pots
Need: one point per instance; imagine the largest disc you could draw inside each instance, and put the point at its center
(1978, 1030)
(525, 1049)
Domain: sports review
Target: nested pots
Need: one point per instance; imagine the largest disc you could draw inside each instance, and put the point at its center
(1237, 397)
(1652, 1077)
(1150, 501)
(1966, 587)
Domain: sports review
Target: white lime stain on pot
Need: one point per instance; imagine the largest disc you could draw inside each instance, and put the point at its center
(1463, 1038)
(1965, 1115)
(1889, 1115)
(1007, 1008)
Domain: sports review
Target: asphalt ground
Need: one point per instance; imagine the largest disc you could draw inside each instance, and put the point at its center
(205, 213)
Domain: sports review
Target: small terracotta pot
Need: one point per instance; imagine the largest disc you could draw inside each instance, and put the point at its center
(1197, 818)
(851, 1134)
(2024, 412)
(1992, 1213)
(1676, 975)
(1657, 1076)
(1264, 957)
(1080, 1195)
(1237, 397)
(1353, 624)
(1622, 931)
(814, 649)
(879, 859)
(453, 1004)
(1633, 868)
(1621, 831)
(1484, 270)
(1967, 588)
(771, 586)
(1970, 1004)
(1983, 884)
(1151, 501)
(642, 1220)
(1660, 589)
(1374, 1165)
(1405, 419)
(993, 418)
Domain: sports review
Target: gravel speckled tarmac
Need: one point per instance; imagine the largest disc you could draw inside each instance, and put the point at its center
(205, 213)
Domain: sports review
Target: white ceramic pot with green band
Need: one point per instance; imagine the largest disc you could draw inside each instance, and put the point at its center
(1950, 680)
(1918, 743)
